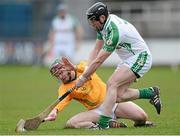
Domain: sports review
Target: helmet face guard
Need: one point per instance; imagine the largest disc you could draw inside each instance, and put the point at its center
(59, 70)
(91, 17)
(91, 20)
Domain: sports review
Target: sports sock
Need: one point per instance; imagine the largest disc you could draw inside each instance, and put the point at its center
(104, 121)
(145, 93)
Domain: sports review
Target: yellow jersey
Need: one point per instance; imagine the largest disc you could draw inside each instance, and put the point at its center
(91, 94)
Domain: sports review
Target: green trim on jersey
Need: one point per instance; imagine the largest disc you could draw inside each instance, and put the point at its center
(99, 36)
(111, 38)
(141, 60)
(127, 46)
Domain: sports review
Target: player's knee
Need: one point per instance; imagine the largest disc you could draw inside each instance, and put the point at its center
(142, 116)
(72, 124)
(109, 83)
(112, 84)
(69, 124)
(141, 119)
(121, 97)
(145, 116)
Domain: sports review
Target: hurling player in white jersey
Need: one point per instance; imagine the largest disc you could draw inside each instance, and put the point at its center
(65, 34)
(116, 34)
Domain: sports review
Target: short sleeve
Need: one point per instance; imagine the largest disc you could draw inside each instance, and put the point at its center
(111, 38)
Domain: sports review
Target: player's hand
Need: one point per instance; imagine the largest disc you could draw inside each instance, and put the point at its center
(52, 116)
(61, 65)
(79, 82)
(67, 64)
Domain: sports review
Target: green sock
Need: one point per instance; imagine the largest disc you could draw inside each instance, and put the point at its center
(104, 121)
(145, 93)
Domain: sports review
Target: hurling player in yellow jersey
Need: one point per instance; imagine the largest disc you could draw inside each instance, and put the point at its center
(91, 95)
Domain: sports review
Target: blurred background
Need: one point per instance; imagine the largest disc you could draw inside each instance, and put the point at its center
(25, 26)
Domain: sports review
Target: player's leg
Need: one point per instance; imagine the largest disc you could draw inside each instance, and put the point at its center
(134, 113)
(83, 120)
(117, 85)
(139, 65)
(129, 110)
(121, 78)
(151, 93)
(89, 118)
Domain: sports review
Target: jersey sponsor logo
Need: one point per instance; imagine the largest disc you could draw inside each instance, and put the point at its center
(141, 62)
(84, 90)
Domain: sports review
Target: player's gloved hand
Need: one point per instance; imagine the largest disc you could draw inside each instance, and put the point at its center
(52, 116)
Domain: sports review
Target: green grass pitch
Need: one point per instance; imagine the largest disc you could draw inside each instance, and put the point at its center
(26, 91)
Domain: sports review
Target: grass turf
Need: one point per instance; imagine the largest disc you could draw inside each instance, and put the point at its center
(26, 91)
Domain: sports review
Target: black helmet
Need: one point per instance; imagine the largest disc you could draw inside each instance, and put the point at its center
(96, 10)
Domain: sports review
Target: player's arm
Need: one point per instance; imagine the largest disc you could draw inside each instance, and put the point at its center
(96, 50)
(98, 46)
(59, 107)
(102, 56)
(63, 104)
(109, 46)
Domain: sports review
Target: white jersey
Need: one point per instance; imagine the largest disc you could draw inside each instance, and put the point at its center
(64, 30)
(64, 36)
(122, 37)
